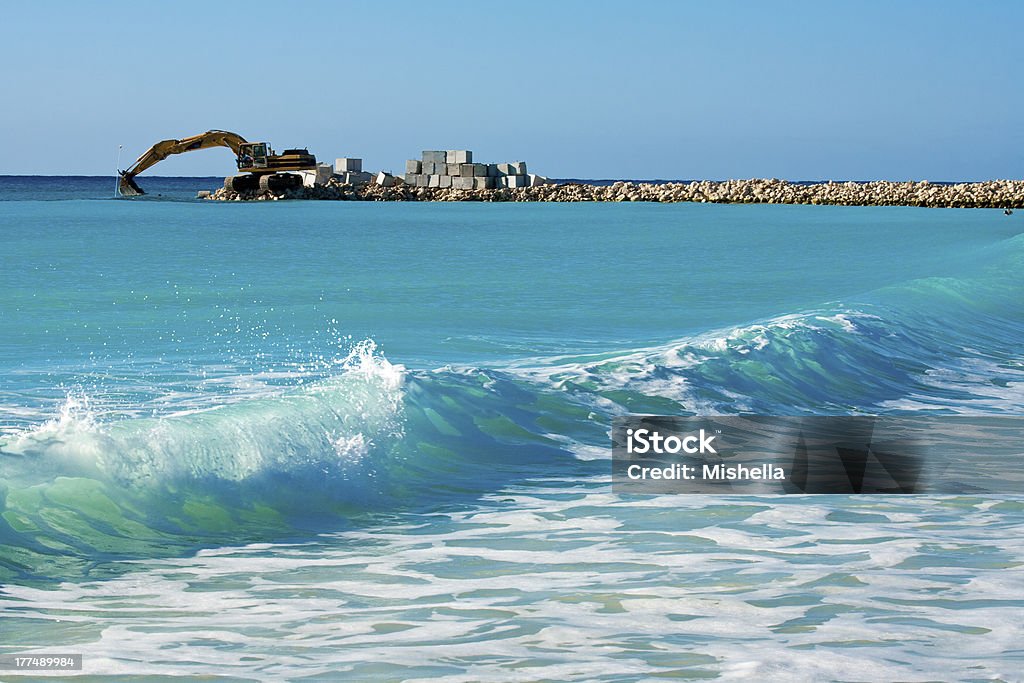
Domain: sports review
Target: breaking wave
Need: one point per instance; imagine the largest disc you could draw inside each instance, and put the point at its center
(79, 489)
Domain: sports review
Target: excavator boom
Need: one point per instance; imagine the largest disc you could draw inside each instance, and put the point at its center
(165, 148)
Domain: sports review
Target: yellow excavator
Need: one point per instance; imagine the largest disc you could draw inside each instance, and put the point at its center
(263, 170)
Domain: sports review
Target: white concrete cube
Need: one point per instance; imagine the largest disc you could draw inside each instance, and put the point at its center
(462, 183)
(318, 176)
(346, 164)
(446, 181)
(385, 179)
(413, 166)
(434, 156)
(356, 178)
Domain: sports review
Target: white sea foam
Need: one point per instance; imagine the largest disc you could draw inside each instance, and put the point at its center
(578, 584)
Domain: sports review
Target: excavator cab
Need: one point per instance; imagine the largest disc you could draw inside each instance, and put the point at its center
(253, 155)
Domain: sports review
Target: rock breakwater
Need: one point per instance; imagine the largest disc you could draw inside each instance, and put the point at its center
(1002, 194)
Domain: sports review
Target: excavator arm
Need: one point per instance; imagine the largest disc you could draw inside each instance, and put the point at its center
(165, 148)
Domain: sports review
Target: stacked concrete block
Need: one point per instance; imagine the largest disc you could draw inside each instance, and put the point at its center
(456, 169)
(514, 168)
(356, 178)
(385, 179)
(514, 181)
(316, 177)
(347, 164)
(323, 173)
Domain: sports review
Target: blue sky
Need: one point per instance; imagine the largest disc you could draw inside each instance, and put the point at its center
(798, 90)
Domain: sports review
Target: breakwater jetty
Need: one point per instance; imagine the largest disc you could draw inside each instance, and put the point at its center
(453, 176)
(1001, 194)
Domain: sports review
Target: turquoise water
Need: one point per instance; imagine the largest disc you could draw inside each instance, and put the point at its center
(265, 440)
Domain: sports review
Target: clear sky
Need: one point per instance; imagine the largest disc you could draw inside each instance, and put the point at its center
(657, 89)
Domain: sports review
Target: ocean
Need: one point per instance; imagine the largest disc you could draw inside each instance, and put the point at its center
(355, 440)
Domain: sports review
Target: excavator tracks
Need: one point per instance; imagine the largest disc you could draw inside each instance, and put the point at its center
(279, 182)
(245, 182)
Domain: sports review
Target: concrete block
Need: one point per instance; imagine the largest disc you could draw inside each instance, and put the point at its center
(451, 169)
(520, 167)
(515, 181)
(492, 170)
(357, 178)
(345, 164)
(460, 156)
(427, 167)
(483, 183)
(446, 181)
(434, 156)
(462, 183)
(535, 180)
(385, 179)
(505, 169)
(318, 176)
(433, 181)
(410, 179)
(466, 170)
(413, 166)
(422, 180)
(480, 170)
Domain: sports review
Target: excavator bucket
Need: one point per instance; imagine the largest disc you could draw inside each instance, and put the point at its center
(128, 187)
